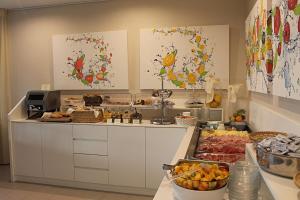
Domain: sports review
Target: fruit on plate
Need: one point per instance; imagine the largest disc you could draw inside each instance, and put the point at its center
(239, 116)
(216, 102)
(200, 176)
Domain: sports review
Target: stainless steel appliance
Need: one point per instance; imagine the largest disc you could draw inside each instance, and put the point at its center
(163, 94)
(39, 101)
(282, 165)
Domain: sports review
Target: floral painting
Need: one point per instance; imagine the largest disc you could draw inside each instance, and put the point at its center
(286, 48)
(259, 52)
(184, 56)
(90, 61)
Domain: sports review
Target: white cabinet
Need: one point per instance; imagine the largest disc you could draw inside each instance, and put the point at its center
(91, 161)
(161, 146)
(58, 151)
(130, 156)
(126, 150)
(90, 132)
(27, 149)
(90, 147)
(91, 175)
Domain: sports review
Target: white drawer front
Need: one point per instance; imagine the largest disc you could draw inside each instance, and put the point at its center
(91, 175)
(90, 147)
(92, 161)
(90, 132)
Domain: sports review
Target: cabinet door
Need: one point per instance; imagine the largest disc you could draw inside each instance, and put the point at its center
(126, 152)
(58, 151)
(27, 149)
(161, 146)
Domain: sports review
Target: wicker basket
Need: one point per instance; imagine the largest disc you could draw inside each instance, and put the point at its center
(189, 121)
(86, 116)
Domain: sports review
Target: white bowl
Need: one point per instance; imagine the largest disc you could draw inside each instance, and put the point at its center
(186, 194)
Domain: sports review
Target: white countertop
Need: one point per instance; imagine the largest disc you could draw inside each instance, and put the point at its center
(164, 191)
(281, 188)
(145, 123)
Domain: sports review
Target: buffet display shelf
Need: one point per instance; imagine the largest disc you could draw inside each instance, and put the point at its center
(280, 188)
(145, 107)
(145, 123)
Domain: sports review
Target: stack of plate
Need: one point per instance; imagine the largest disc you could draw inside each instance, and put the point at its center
(244, 182)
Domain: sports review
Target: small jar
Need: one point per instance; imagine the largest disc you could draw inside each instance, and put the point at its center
(126, 117)
(136, 118)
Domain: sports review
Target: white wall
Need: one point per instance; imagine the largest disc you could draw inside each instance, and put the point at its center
(30, 33)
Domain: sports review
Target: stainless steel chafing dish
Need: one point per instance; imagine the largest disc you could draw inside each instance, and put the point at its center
(282, 165)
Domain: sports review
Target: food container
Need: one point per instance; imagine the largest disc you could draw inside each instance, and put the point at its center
(186, 194)
(297, 179)
(186, 113)
(282, 165)
(92, 100)
(259, 136)
(221, 157)
(86, 116)
(201, 189)
(186, 120)
(239, 126)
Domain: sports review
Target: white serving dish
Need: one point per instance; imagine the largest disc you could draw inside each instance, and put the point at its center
(186, 194)
(190, 121)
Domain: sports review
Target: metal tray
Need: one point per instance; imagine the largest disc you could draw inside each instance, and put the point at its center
(281, 165)
(192, 149)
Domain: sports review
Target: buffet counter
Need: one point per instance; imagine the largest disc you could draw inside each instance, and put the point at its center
(164, 191)
(272, 187)
(145, 123)
(280, 188)
(91, 155)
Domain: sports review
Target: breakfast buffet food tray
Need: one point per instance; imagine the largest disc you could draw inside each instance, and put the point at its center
(219, 149)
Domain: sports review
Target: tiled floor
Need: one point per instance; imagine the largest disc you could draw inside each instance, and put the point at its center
(26, 191)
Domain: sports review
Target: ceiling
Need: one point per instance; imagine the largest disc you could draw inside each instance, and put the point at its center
(23, 4)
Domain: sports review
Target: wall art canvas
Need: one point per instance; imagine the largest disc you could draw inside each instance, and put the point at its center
(184, 56)
(90, 61)
(286, 48)
(259, 52)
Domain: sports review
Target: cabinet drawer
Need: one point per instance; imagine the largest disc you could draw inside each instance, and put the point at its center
(92, 161)
(90, 132)
(91, 175)
(90, 147)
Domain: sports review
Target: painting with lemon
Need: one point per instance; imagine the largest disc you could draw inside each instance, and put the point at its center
(184, 56)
